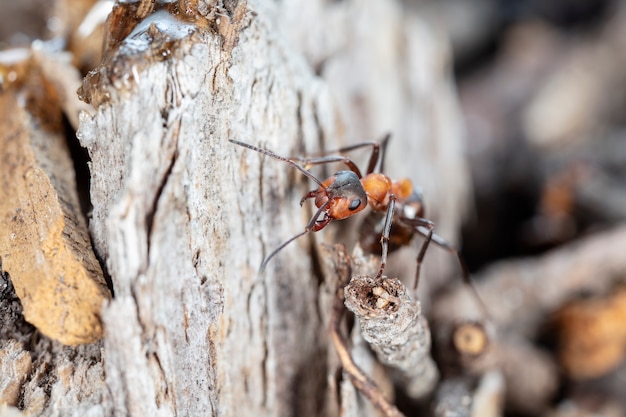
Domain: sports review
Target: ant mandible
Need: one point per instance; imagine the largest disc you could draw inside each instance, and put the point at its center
(348, 192)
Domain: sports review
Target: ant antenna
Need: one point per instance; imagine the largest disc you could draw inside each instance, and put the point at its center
(278, 249)
(313, 224)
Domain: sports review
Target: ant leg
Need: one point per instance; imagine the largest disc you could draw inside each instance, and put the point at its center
(447, 246)
(467, 280)
(384, 239)
(429, 234)
(383, 144)
(332, 158)
(346, 149)
(313, 225)
(422, 253)
(310, 194)
(375, 157)
(373, 160)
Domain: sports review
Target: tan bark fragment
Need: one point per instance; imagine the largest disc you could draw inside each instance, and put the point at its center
(44, 245)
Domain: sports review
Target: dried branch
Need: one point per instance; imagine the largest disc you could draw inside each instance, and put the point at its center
(338, 267)
(466, 347)
(360, 380)
(489, 395)
(520, 293)
(392, 323)
(471, 348)
(531, 376)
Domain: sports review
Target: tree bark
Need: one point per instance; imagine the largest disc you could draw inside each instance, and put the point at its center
(183, 218)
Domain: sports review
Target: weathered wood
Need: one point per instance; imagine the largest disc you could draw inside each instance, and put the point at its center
(41, 376)
(520, 293)
(46, 254)
(183, 218)
(45, 244)
(393, 324)
(15, 365)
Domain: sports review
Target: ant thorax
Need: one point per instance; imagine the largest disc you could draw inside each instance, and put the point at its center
(377, 186)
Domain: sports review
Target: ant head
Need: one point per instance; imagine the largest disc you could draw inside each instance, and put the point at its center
(345, 195)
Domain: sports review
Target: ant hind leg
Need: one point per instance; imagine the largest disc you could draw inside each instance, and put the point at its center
(422, 253)
(467, 280)
(426, 228)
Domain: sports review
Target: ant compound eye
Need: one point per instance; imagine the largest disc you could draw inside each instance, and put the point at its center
(354, 204)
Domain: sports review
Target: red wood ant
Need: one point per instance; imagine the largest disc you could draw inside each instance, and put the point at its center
(348, 192)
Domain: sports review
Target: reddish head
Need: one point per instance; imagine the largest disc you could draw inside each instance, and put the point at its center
(343, 194)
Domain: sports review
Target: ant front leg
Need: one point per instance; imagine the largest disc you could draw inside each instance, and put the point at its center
(383, 144)
(384, 239)
(313, 226)
(310, 194)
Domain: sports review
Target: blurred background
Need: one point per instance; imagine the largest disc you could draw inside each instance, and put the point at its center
(542, 88)
(541, 84)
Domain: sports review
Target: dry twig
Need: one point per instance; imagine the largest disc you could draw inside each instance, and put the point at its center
(339, 264)
(392, 323)
(360, 380)
(520, 293)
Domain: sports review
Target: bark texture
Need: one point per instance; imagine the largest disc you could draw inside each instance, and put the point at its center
(182, 218)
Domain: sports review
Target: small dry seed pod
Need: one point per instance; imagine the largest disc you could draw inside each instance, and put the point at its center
(470, 339)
